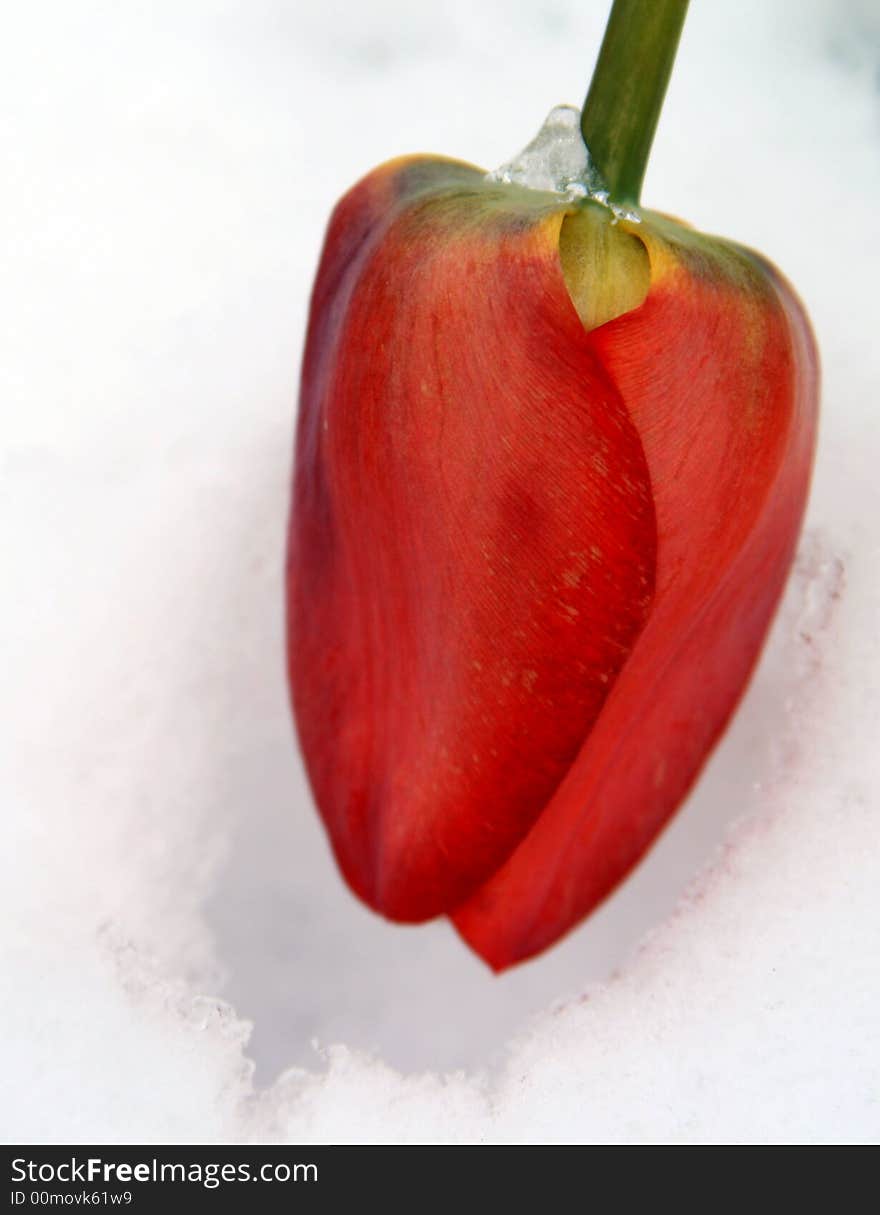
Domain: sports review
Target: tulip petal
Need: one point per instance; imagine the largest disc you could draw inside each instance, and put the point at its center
(473, 538)
(719, 375)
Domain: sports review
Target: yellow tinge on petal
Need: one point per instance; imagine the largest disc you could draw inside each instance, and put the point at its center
(606, 268)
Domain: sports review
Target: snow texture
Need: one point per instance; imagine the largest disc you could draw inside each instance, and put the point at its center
(556, 159)
(179, 955)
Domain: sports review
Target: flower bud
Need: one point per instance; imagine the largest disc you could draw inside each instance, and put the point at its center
(551, 467)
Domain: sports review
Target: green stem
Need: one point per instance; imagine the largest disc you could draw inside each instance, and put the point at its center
(627, 90)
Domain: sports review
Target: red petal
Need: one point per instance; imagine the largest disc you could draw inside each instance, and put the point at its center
(719, 376)
(473, 540)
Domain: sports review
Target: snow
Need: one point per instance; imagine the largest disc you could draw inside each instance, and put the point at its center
(181, 961)
(556, 160)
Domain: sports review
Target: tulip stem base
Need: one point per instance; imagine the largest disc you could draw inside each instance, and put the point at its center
(626, 94)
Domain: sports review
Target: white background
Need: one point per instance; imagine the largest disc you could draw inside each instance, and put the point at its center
(168, 168)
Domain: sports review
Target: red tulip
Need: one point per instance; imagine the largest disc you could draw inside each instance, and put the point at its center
(531, 562)
(551, 465)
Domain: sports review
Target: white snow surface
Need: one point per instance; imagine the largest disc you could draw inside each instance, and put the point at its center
(181, 962)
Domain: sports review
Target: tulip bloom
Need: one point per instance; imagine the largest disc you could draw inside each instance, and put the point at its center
(551, 468)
